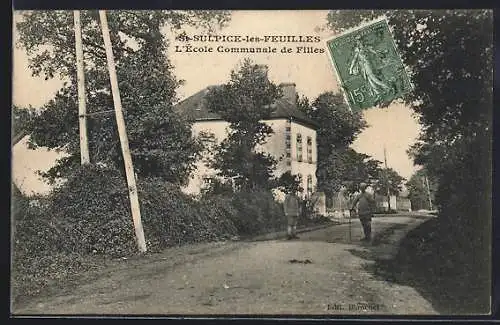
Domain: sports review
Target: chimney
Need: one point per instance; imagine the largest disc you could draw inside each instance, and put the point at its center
(289, 92)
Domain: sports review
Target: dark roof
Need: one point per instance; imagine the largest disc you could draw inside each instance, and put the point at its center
(195, 108)
(18, 136)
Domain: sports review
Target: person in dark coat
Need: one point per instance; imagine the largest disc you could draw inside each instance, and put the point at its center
(366, 204)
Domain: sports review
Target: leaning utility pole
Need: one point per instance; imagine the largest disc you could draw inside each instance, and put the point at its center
(428, 191)
(120, 121)
(80, 73)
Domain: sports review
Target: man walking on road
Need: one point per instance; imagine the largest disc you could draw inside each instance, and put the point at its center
(292, 211)
(365, 204)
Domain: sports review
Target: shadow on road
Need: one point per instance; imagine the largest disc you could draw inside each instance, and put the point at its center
(341, 234)
(424, 263)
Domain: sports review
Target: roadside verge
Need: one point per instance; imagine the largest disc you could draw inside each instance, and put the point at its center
(282, 234)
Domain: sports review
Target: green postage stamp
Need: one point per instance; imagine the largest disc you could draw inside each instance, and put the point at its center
(368, 66)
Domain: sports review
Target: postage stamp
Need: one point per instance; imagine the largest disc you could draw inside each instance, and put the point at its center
(368, 66)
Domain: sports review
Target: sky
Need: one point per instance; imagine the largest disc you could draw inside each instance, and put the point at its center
(394, 127)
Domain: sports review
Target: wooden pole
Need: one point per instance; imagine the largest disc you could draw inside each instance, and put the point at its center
(428, 192)
(388, 121)
(387, 182)
(350, 216)
(120, 121)
(80, 73)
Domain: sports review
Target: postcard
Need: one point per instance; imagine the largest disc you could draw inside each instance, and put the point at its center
(250, 162)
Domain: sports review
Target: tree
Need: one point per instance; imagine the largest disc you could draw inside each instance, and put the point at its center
(244, 102)
(418, 191)
(161, 142)
(337, 129)
(352, 168)
(447, 51)
(289, 183)
(389, 179)
(22, 120)
(450, 56)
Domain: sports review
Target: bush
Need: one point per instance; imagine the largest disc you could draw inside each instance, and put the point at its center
(36, 257)
(89, 215)
(463, 198)
(171, 217)
(257, 212)
(217, 187)
(92, 211)
(19, 202)
(221, 213)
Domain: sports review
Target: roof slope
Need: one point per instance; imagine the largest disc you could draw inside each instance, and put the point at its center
(195, 108)
(18, 136)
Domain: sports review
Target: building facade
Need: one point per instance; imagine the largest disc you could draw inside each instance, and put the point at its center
(292, 143)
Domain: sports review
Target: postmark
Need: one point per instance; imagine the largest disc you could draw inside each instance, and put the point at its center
(368, 65)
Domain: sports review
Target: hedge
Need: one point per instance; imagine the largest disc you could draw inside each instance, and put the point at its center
(89, 215)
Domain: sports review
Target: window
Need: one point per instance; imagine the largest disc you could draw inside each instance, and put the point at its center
(288, 139)
(207, 182)
(309, 150)
(299, 147)
(288, 145)
(309, 184)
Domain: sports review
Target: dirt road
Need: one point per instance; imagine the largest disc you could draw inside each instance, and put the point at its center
(321, 273)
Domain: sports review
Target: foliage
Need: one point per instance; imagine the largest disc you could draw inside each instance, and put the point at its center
(451, 50)
(337, 128)
(160, 141)
(450, 55)
(217, 186)
(288, 183)
(307, 211)
(35, 241)
(98, 219)
(173, 218)
(22, 119)
(428, 259)
(19, 202)
(389, 181)
(92, 211)
(257, 212)
(89, 216)
(244, 102)
(346, 168)
(418, 193)
(338, 165)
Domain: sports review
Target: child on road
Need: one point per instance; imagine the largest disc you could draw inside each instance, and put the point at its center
(292, 211)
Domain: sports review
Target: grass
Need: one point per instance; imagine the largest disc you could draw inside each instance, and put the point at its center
(454, 279)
